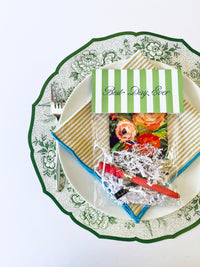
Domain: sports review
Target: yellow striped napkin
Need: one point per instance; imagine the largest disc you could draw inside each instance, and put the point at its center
(79, 132)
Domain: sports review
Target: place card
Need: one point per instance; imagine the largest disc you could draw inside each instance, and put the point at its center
(137, 91)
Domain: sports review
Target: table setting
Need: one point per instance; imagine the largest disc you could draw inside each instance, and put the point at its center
(60, 139)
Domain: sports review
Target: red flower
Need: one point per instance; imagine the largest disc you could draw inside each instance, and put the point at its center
(149, 138)
(113, 116)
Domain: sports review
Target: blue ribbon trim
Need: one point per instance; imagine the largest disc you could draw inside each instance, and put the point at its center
(124, 205)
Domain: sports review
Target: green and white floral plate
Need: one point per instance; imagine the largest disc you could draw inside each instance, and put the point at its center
(69, 73)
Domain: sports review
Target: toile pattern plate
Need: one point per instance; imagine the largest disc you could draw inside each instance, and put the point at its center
(69, 73)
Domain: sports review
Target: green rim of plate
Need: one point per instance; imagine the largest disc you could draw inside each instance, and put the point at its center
(32, 149)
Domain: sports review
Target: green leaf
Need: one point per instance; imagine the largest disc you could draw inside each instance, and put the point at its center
(112, 220)
(118, 146)
(178, 65)
(52, 128)
(197, 212)
(176, 54)
(162, 221)
(137, 45)
(161, 135)
(46, 172)
(176, 46)
(127, 116)
(46, 145)
(164, 143)
(35, 141)
(53, 172)
(168, 53)
(162, 128)
(41, 143)
(43, 151)
(141, 129)
(113, 125)
(190, 208)
(49, 118)
(148, 226)
(165, 47)
(194, 201)
(143, 46)
(44, 137)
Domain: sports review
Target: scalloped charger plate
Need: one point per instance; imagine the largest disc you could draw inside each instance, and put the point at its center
(82, 198)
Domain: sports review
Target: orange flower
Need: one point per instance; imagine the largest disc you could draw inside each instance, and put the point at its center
(125, 130)
(151, 121)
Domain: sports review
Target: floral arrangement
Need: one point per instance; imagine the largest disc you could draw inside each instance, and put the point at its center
(136, 169)
(139, 132)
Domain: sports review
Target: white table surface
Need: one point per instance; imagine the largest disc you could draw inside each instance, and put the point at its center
(35, 37)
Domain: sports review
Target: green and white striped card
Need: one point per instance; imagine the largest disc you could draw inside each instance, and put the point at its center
(137, 91)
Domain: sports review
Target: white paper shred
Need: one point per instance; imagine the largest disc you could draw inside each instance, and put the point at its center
(136, 164)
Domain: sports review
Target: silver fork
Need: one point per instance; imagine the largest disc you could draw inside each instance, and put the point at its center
(57, 106)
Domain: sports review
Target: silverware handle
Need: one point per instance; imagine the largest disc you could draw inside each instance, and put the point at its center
(57, 168)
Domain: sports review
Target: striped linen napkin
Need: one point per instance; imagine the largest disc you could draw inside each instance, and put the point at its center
(183, 134)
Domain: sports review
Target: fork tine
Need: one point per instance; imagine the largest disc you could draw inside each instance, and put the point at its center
(57, 98)
(60, 99)
(63, 98)
(52, 98)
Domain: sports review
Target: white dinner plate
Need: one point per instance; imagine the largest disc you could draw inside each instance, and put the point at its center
(188, 183)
